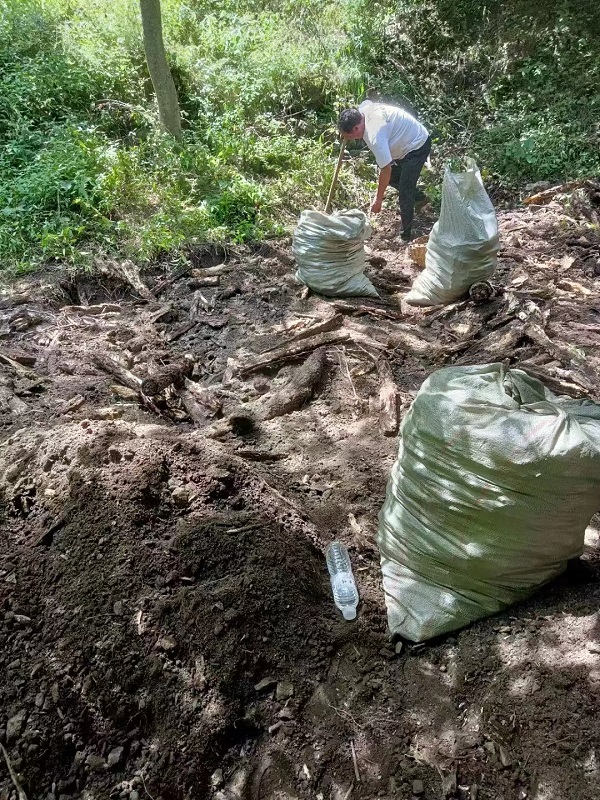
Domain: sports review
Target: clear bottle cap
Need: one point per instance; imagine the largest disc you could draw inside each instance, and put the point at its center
(349, 612)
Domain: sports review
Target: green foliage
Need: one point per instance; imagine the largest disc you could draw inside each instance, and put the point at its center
(515, 83)
(84, 168)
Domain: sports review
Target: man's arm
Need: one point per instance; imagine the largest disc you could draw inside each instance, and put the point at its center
(384, 178)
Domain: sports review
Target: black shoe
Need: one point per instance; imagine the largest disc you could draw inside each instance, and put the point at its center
(406, 236)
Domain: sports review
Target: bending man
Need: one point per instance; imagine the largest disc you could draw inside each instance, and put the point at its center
(400, 145)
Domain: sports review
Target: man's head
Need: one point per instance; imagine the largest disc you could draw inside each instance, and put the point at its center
(351, 123)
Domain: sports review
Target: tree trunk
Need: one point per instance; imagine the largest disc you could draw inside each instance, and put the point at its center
(162, 80)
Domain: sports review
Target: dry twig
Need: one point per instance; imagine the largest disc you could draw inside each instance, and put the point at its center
(13, 775)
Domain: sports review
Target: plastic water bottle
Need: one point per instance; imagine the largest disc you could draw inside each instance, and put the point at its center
(345, 593)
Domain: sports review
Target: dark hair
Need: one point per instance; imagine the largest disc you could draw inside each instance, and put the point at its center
(349, 119)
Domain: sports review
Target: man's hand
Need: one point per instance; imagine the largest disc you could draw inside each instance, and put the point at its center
(376, 207)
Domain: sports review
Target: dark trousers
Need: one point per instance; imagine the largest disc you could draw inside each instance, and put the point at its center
(405, 174)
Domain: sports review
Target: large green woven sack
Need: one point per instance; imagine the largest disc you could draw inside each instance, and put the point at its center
(495, 482)
(463, 245)
(330, 253)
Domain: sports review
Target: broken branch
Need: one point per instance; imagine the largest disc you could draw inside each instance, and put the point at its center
(291, 351)
(297, 391)
(388, 399)
(124, 376)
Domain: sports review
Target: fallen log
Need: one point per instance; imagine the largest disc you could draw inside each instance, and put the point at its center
(558, 350)
(566, 354)
(124, 376)
(325, 326)
(496, 346)
(18, 356)
(398, 336)
(350, 308)
(101, 308)
(205, 280)
(296, 392)
(553, 382)
(548, 194)
(173, 374)
(181, 331)
(218, 269)
(430, 315)
(290, 352)
(388, 399)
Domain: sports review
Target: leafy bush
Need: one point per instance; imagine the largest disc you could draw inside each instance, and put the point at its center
(514, 83)
(85, 169)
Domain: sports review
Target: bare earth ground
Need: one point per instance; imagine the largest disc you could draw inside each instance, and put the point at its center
(166, 625)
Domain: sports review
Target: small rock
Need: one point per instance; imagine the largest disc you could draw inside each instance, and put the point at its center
(95, 763)
(166, 643)
(490, 747)
(389, 654)
(285, 690)
(15, 725)
(114, 757)
(505, 758)
(275, 727)
(118, 608)
(79, 758)
(594, 647)
(266, 683)
(134, 795)
(180, 496)
(55, 693)
(39, 699)
(443, 668)
(21, 619)
(398, 648)
(286, 714)
(216, 779)
(417, 788)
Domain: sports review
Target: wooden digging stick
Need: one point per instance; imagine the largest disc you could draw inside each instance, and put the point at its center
(335, 177)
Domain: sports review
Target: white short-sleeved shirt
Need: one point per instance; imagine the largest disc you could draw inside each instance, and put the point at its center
(390, 132)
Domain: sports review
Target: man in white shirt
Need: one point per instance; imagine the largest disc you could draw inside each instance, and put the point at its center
(401, 146)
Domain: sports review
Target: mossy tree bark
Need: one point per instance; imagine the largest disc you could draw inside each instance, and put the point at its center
(162, 80)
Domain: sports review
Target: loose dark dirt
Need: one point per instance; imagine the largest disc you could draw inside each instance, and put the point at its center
(166, 625)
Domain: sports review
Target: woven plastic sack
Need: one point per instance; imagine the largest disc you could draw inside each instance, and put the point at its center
(329, 251)
(463, 245)
(495, 482)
